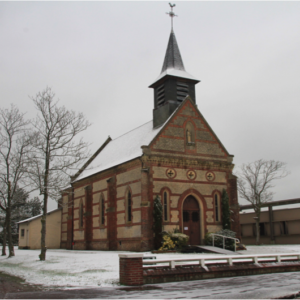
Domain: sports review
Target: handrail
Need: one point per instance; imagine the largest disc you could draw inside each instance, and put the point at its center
(225, 237)
(230, 259)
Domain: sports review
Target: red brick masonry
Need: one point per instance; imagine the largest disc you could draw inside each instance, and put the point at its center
(132, 271)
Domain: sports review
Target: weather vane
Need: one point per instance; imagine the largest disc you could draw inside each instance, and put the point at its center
(171, 14)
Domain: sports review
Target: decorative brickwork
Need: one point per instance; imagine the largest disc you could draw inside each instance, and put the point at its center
(70, 222)
(146, 218)
(88, 217)
(185, 164)
(234, 205)
(111, 214)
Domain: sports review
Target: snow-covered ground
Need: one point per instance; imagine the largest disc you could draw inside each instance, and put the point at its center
(90, 268)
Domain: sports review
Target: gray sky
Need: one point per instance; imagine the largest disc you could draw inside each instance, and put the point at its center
(100, 58)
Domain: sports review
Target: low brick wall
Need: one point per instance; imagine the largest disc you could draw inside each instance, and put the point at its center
(132, 271)
(196, 272)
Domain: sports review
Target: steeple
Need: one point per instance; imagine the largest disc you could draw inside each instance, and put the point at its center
(173, 83)
(173, 58)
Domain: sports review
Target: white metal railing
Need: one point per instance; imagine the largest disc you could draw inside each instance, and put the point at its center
(224, 237)
(226, 259)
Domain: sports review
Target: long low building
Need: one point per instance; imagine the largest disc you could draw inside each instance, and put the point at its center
(30, 231)
(277, 226)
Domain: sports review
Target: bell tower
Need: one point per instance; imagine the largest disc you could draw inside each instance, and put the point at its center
(173, 83)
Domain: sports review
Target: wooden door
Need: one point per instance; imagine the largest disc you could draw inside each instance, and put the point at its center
(191, 220)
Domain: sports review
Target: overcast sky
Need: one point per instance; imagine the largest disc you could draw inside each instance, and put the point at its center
(100, 57)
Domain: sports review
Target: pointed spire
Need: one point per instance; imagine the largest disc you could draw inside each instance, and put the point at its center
(173, 58)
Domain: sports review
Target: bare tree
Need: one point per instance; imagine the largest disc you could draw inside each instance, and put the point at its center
(255, 183)
(57, 150)
(15, 145)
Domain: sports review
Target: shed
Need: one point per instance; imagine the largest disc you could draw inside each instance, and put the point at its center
(30, 231)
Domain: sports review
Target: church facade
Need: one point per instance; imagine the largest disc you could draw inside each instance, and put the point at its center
(177, 157)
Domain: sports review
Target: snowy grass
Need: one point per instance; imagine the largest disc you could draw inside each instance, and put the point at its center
(65, 268)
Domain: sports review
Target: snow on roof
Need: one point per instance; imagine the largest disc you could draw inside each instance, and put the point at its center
(35, 217)
(124, 148)
(279, 207)
(176, 73)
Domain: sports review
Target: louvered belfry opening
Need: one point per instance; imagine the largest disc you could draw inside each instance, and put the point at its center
(173, 84)
(160, 95)
(182, 90)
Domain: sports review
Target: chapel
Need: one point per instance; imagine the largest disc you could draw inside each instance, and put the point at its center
(176, 156)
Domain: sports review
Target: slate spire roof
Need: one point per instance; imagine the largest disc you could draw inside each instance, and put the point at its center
(173, 64)
(173, 58)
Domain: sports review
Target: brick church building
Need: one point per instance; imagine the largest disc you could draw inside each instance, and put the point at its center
(176, 156)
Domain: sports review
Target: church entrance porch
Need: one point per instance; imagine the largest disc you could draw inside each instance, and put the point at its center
(191, 220)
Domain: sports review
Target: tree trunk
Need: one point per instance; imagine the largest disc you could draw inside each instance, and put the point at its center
(43, 219)
(42, 256)
(257, 231)
(9, 237)
(4, 238)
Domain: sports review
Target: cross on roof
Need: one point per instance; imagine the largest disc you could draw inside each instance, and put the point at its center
(171, 14)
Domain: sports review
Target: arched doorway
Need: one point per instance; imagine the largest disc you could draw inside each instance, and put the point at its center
(191, 220)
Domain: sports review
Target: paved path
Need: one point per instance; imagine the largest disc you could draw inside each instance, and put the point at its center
(245, 287)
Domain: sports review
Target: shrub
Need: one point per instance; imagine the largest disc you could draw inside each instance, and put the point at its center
(168, 244)
(180, 239)
(157, 221)
(225, 210)
(172, 240)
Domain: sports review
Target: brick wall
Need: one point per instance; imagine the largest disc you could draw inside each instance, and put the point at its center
(88, 216)
(111, 214)
(173, 137)
(234, 205)
(133, 273)
(131, 269)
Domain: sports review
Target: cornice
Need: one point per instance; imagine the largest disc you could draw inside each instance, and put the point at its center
(187, 162)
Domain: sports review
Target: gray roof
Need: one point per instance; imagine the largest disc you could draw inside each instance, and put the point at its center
(38, 216)
(119, 150)
(173, 58)
(173, 64)
(122, 149)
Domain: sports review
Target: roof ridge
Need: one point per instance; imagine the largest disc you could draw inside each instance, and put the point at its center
(132, 130)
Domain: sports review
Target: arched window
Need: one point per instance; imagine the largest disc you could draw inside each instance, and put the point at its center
(217, 207)
(190, 134)
(101, 211)
(81, 214)
(129, 207)
(165, 204)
